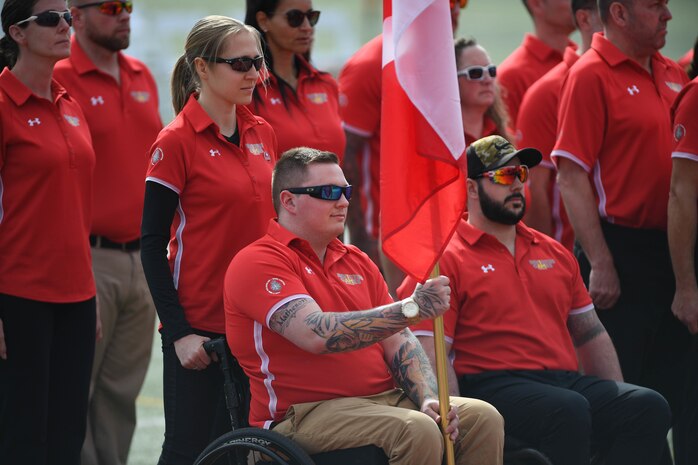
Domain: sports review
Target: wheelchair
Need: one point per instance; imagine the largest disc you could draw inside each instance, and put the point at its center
(245, 445)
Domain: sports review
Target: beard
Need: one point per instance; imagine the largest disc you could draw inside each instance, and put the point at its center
(497, 211)
(111, 43)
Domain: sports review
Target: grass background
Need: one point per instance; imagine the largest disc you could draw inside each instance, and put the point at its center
(159, 31)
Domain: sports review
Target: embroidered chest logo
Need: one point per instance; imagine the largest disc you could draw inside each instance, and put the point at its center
(72, 120)
(632, 90)
(33, 122)
(157, 156)
(309, 270)
(679, 132)
(487, 269)
(140, 96)
(317, 98)
(274, 285)
(545, 264)
(350, 279)
(98, 100)
(675, 86)
(275, 101)
(257, 150)
(214, 153)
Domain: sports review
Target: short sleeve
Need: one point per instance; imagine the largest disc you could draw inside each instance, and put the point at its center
(581, 118)
(581, 300)
(360, 97)
(537, 120)
(168, 163)
(685, 123)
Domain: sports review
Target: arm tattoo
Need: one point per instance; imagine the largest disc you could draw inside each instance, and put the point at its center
(426, 298)
(344, 331)
(281, 318)
(584, 327)
(412, 370)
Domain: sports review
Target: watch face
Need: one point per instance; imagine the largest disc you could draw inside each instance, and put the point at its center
(410, 309)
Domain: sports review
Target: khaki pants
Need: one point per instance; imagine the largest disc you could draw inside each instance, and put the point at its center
(121, 357)
(392, 422)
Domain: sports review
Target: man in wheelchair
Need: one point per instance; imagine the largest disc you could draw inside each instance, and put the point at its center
(312, 324)
(519, 309)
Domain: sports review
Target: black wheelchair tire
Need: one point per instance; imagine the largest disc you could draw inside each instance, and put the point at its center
(273, 448)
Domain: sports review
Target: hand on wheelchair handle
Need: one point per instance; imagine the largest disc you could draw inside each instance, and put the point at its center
(190, 352)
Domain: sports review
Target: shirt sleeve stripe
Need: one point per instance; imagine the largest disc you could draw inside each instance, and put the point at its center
(569, 156)
(424, 332)
(163, 183)
(687, 155)
(579, 311)
(355, 130)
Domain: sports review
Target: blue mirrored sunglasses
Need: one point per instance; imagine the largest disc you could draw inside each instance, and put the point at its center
(326, 192)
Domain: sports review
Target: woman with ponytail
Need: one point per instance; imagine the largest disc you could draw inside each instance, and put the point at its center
(300, 102)
(47, 293)
(208, 194)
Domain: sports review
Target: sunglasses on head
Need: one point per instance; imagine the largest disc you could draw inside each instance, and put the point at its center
(477, 73)
(111, 8)
(326, 192)
(506, 175)
(49, 18)
(295, 17)
(240, 64)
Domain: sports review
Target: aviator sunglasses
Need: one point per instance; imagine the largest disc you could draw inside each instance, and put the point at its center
(110, 8)
(507, 175)
(295, 17)
(240, 64)
(326, 192)
(477, 73)
(49, 18)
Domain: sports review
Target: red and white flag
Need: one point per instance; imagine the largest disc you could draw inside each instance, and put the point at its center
(422, 140)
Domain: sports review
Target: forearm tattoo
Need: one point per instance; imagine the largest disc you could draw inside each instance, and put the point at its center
(344, 331)
(281, 318)
(427, 298)
(585, 327)
(412, 370)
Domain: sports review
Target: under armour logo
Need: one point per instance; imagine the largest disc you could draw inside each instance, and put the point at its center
(633, 90)
(97, 100)
(35, 121)
(214, 152)
(308, 270)
(275, 101)
(487, 269)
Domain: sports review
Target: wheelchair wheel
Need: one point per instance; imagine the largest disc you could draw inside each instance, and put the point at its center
(253, 446)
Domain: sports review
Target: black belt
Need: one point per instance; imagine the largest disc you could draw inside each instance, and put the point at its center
(102, 242)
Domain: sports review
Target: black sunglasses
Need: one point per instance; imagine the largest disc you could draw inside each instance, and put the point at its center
(49, 18)
(111, 8)
(240, 64)
(295, 17)
(477, 73)
(326, 192)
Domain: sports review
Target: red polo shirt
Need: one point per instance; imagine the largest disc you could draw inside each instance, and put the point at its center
(684, 115)
(224, 202)
(531, 60)
(360, 108)
(508, 312)
(46, 165)
(537, 126)
(124, 122)
(275, 270)
(311, 115)
(614, 122)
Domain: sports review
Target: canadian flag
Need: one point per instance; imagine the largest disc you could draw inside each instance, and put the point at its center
(422, 140)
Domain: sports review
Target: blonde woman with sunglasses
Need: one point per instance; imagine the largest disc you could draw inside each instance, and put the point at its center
(47, 292)
(207, 195)
(300, 102)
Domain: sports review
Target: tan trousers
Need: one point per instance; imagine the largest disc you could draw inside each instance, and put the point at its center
(392, 422)
(121, 357)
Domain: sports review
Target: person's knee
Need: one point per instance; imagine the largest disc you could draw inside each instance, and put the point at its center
(421, 439)
(652, 410)
(480, 418)
(570, 414)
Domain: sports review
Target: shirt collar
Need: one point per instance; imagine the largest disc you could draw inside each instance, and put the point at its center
(570, 56)
(19, 93)
(615, 56)
(83, 64)
(472, 235)
(541, 50)
(200, 120)
(334, 249)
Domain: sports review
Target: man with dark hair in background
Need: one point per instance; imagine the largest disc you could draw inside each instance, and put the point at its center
(120, 101)
(613, 155)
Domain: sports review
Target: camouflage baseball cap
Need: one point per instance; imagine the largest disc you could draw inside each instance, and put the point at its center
(492, 152)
